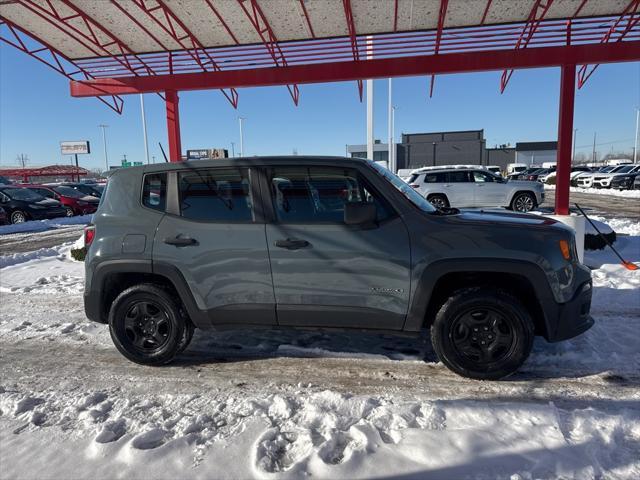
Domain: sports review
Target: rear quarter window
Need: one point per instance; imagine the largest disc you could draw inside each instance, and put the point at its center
(154, 191)
(435, 177)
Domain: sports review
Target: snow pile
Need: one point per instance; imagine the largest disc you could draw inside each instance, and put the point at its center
(601, 191)
(42, 225)
(320, 434)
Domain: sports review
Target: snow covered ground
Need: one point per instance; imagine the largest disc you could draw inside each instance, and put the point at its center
(42, 225)
(273, 404)
(601, 191)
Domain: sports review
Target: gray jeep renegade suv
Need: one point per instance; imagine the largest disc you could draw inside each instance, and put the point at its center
(321, 243)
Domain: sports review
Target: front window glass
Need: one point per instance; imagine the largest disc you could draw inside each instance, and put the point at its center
(482, 177)
(319, 194)
(216, 195)
(413, 196)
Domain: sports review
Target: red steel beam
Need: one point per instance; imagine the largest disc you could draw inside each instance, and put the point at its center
(565, 132)
(222, 21)
(632, 8)
(46, 54)
(486, 12)
(351, 28)
(528, 31)
(441, 18)
(194, 48)
(343, 71)
(173, 125)
(259, 21)
(307, 18)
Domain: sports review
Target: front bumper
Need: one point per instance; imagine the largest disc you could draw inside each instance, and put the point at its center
(573, 317)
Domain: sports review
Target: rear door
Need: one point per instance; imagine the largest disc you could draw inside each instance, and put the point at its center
(460, 188)
(327, 273)
(215, 237)
(488, 191)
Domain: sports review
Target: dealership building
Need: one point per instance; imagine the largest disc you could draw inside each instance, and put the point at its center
(466, 147)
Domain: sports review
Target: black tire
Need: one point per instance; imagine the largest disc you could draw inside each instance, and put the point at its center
(438, 200)
(186, 338)
(18, 216)
(459, 330)
(68, 211)
(523, 202)
(147, 325)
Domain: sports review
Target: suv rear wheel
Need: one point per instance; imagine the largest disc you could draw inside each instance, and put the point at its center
(523, 202)
(147, 325)
(438, 201)
(482, 333)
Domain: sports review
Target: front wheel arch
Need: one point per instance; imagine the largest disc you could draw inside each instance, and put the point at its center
(520, 193)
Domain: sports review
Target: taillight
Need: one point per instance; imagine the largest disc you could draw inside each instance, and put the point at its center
(89, 234)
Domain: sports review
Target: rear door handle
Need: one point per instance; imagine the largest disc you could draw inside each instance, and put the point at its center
(292, 243)
(180, 241)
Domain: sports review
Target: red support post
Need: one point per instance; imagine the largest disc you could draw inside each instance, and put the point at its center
(173, 125)
(565, 135)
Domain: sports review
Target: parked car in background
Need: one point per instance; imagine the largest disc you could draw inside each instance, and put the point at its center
(575, 171)
(525, 171)
(313, 242)
(93, 189)
(5, 181)
(603, 180)
(4, 218)
(536, 175)
(625, 181)
(495, 169)
(574, 178)
(23, 204)
(74, 202)
(468, 187)
(516, 168)
(636, 183)
(587, 180)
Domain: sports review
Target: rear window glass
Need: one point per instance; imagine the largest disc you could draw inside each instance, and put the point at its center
(216, 195)
(458, 177)
(154, 192)
(434, 177)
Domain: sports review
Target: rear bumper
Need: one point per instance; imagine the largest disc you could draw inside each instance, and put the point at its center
(573, 317)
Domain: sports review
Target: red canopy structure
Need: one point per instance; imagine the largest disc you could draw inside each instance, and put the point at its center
(51, 171)
(113, 48)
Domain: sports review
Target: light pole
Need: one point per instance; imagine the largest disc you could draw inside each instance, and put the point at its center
(233, 149)
(240, 120)
(393, 139)
(573, 155)
(144, 128)
(390, 128)
(635, 144)
(104, 144)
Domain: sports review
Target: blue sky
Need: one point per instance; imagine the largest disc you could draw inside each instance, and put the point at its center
(37, 112)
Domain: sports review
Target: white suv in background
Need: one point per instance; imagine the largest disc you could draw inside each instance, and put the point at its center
(587, 180)
(475, 187)
(603, 180)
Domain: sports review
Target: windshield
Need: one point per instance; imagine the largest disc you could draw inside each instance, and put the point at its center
(23, 194)
(626, 169)
(69, 192)
(413, 196)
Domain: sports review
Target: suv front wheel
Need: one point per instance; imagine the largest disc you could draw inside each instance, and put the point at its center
(147, 325)
(482, 333)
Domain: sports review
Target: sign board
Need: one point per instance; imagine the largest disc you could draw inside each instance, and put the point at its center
(75, 148)
(207, 153)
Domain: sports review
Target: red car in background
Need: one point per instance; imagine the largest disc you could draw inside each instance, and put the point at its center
(74, 202)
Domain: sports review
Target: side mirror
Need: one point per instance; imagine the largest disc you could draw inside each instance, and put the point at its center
(360, 213)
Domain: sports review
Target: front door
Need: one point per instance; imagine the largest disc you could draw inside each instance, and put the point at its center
(217, 243)
(325, 272)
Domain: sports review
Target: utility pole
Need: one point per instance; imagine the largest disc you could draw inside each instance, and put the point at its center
(153, 159)
(240, 120)
(144, 128)
(635, 144)
(22, 160)
(573, 155)
(233, 149)
(393, 140)
(390, 128)
(593, 154)
(104, 144)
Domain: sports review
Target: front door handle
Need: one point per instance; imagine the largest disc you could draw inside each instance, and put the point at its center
(180, 241)
(292, 243)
